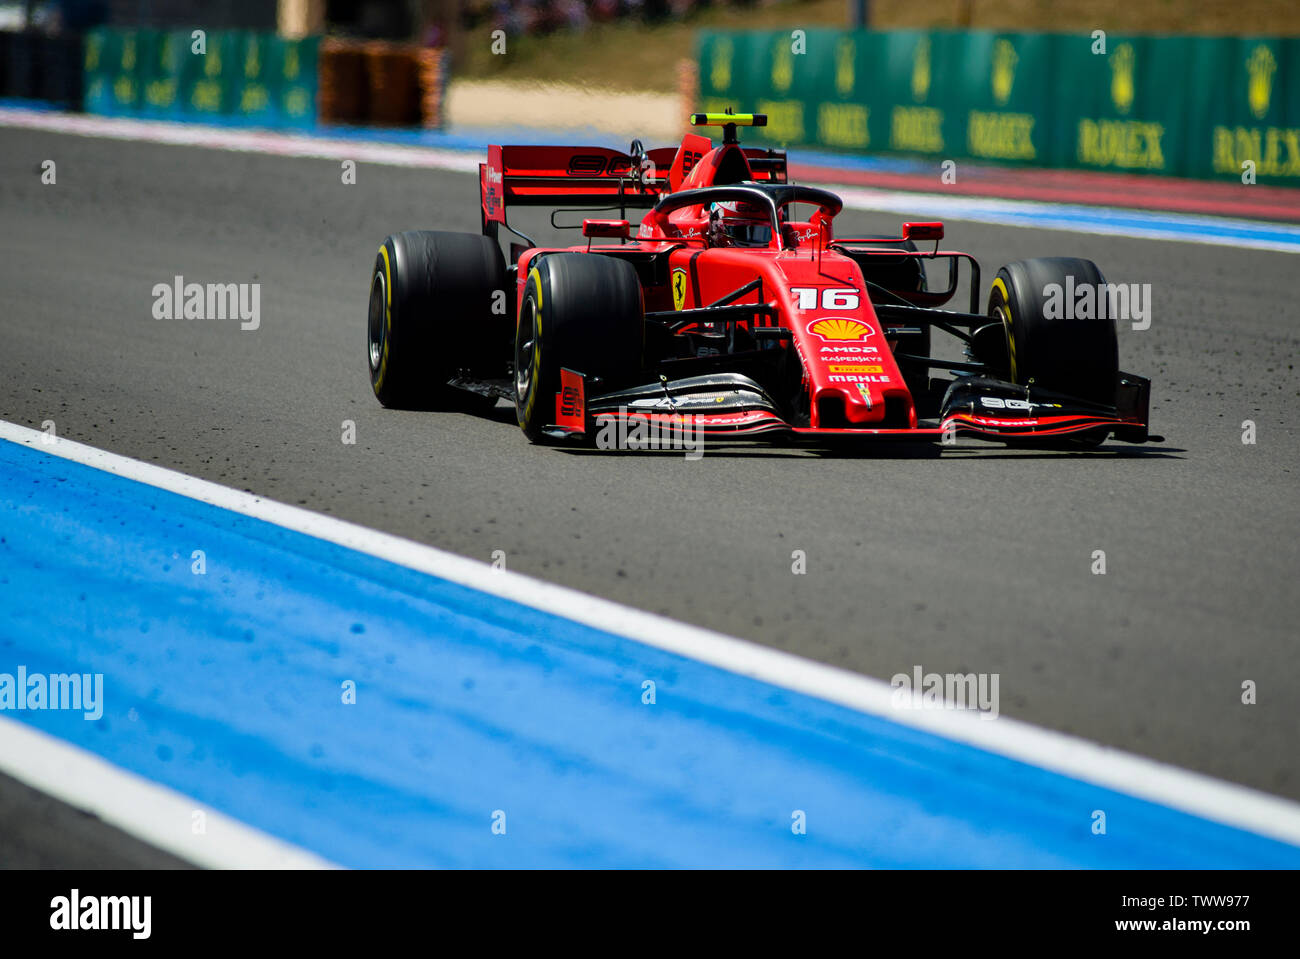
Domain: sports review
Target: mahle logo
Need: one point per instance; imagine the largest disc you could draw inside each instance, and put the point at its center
(1121, 77)
(921, 70)
(1005, 59)
(1259, 90)
(720, 72)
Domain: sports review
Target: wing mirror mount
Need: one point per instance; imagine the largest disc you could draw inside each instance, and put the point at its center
(613, 229)
(923, 232)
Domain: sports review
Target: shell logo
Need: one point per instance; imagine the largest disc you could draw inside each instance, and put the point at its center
(840, 329)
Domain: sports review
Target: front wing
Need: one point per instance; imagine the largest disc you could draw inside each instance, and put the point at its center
(733, 405)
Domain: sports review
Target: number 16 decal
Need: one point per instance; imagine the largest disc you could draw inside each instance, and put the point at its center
(833, 297)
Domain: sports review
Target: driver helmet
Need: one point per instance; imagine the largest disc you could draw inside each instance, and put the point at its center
(739, 223)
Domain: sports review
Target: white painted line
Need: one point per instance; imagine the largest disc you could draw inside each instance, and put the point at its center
(1191, 792)
(153, 813)
(1183, 228)
(241, 140)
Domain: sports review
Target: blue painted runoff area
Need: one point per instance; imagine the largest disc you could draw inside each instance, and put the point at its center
(228, 687)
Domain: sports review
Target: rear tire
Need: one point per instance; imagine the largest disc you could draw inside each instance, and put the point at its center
(1078, 357)
(583, 312)
(431, 314)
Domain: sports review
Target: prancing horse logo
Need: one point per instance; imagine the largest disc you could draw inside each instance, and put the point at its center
(679, 288)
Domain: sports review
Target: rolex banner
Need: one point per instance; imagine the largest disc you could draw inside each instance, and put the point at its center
(213, 76)
(1179, 106)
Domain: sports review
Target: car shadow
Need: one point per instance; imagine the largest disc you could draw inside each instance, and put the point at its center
(862, 448)
(887, 451)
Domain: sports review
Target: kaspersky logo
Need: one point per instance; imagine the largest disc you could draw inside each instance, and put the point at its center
(840, 329)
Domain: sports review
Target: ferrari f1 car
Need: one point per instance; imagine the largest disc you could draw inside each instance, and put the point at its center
(725, 308)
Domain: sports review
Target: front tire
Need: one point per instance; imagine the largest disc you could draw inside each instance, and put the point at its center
(1046, 348)
(583, 312)
(430, 314)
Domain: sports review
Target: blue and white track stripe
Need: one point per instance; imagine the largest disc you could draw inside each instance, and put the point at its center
(1079, 218)
(480, 691)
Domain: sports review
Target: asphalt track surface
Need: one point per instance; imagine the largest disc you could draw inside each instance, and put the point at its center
(975, 559)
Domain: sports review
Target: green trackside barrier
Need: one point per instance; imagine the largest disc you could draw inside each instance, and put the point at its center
(240, 76)
(111, 81)
(100, 49)
(1004, 93)
(1179, 106)
(1251, 108)
(295, 63)
(161, 55)
(1127, 110)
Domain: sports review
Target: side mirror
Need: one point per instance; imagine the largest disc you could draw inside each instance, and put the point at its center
(923, 231)
(615, 229)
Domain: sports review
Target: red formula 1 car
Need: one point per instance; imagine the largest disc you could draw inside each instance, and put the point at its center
(725, 311)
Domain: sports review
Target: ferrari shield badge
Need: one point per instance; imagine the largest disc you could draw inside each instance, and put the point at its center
(679, 288)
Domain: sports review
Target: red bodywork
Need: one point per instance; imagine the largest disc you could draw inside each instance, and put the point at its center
(852, 381)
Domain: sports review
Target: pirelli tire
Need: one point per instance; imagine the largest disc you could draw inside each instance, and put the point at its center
(1047, 344)
(434, 309)
(582, 312)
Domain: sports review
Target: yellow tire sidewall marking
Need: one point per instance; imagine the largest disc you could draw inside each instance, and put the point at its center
(388, 316)
(999, 285)
(535, 280)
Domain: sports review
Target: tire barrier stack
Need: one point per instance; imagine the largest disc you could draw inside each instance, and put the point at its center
(38, 66)
(378, 83)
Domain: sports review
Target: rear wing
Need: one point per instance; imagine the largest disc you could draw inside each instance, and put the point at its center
(561, 176)
(768, 165)
(568, 177)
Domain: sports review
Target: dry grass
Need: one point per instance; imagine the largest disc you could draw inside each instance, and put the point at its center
(1225, 17)
(639, 57)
